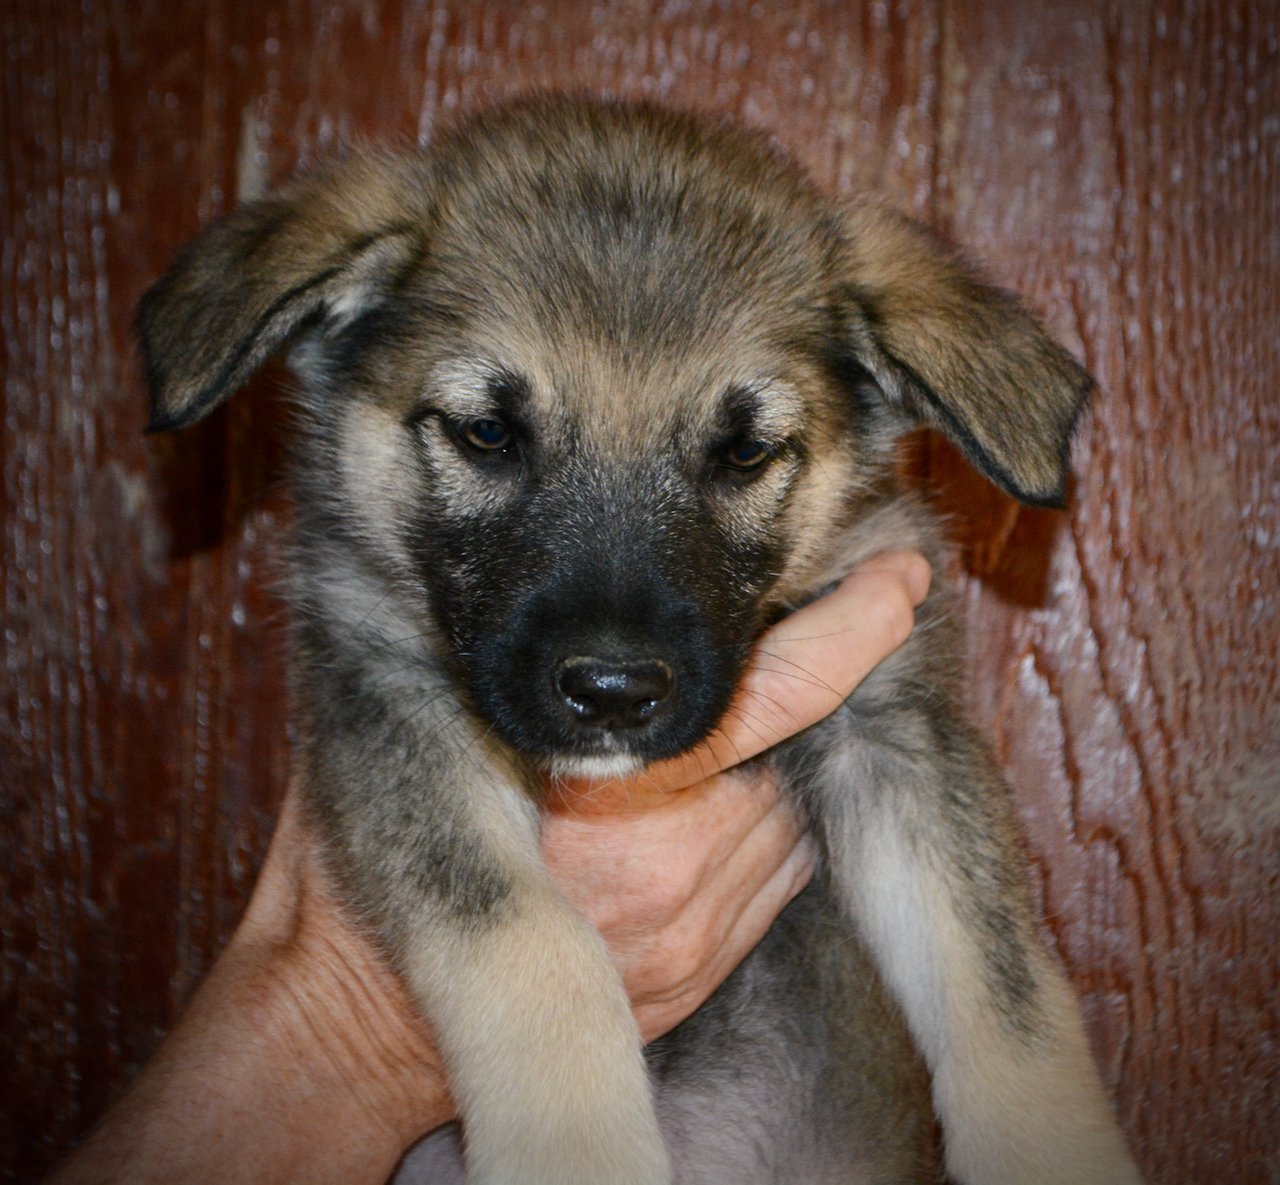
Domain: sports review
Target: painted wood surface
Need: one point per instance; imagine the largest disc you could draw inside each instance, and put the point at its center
(1117, 162)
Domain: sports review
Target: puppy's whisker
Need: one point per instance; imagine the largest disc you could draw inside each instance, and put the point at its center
(752, 724)
(779, 708)
(359, 625)
(391, 643)
(840, 633)
(727, 738)
(800, 674)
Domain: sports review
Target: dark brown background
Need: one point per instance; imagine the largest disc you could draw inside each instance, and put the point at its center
(1115, 161)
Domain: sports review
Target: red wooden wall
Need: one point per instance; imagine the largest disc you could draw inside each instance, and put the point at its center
(1117, 161)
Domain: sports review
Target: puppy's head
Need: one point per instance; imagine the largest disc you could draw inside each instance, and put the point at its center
(600, 386)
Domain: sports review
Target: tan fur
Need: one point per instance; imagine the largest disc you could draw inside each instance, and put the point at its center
(575, 1102)
(1015, 1111)
(928, 313)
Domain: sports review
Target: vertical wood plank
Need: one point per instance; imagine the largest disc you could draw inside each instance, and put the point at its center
(1136, 706)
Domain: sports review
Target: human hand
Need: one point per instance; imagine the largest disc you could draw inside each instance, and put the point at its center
(684, 866)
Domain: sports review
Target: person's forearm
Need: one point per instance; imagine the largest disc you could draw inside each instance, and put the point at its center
(252, 1087)
(282, 1068)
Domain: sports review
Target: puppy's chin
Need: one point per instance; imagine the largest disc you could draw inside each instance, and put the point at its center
(602, 768)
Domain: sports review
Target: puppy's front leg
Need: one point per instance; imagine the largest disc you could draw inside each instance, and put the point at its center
(924, 854)
(543, 1055)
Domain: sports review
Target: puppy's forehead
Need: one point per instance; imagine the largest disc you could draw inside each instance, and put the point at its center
(637, 259)
(591, 392)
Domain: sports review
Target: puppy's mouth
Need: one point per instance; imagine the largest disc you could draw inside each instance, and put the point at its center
(596, 755)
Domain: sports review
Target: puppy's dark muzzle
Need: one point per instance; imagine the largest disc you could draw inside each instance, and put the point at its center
(587, 665)
(605, 694)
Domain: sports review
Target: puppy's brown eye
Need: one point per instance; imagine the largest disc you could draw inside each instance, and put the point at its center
(489, 436)
(746, 454)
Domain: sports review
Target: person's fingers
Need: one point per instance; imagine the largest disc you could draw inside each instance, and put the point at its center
(700, 884)
(733, 874)
(807, 664)
(658, 1012)
(637, 869)
(689, 925)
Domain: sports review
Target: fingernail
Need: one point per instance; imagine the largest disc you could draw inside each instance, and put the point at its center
(804, 862)
(807, 849)
(919, 576)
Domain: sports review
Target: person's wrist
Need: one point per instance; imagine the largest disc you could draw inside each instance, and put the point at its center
(330, 1003)
(341, 1022)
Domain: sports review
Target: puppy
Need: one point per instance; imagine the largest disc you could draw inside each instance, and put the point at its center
(589, 396)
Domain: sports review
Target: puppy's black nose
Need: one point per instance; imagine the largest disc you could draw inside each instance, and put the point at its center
(605, 693)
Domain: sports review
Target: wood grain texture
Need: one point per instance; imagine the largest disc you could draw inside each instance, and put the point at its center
(1143, 689)
(1117, 162)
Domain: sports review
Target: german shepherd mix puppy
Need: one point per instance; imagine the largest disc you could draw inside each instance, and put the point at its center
(592, 394)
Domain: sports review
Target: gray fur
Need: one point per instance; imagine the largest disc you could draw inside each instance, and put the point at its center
(599, 385)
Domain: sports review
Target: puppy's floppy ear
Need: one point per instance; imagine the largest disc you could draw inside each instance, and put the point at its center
(331, 245)
(962, 355)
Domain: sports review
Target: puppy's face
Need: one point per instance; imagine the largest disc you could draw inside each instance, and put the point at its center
(604, 451)
(599, 387)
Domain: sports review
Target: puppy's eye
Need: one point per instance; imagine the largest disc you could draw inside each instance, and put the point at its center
(745, 455)
(488, 436)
